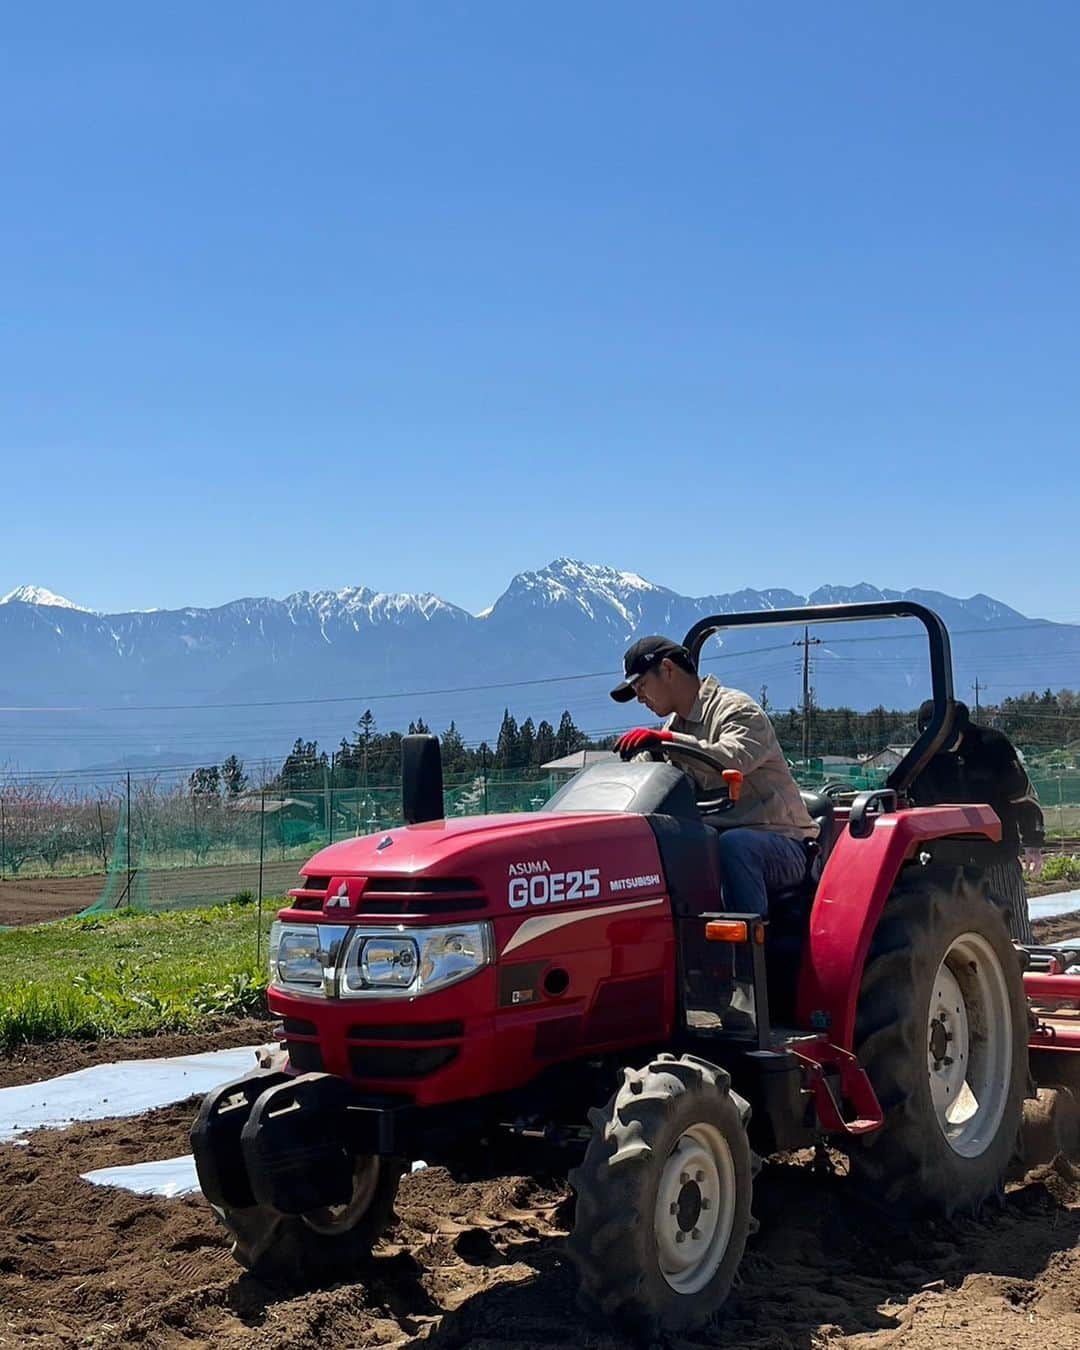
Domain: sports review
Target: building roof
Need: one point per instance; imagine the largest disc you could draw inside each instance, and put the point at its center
(579, 760)
(271, 805)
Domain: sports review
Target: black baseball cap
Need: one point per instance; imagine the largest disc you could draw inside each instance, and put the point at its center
(646, 654)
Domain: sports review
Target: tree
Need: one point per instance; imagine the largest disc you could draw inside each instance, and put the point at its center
(507, 748)
(527, 744)
(545, 742)
(205, 782)
(365, 730)
(304, 768)
(233, 776)
(419, 728)
(568, 738)
(454, 755)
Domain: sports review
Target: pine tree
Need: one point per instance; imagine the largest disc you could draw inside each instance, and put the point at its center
(205, 782)
(454, 754)
(365, 730)
(545, 742)
(507, 748)
(304, 767)
(233, 776)
(568, 738)
(527, 745)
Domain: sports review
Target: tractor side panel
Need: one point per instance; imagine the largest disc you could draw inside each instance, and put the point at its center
(857, 881)
(583, 981)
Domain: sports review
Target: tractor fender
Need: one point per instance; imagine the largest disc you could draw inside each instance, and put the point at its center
(857, 879)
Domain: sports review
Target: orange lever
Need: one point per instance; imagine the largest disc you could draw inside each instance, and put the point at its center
(734, 780)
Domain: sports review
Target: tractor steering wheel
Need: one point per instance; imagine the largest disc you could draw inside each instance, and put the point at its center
(732, 777)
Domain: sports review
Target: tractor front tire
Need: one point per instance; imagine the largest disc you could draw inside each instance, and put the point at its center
(941, 1030)
(663, 1199)
(325, 1244)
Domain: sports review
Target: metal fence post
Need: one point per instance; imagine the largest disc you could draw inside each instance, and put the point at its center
(127, 833)
(330, 797)
(101, 832)
(258, 911)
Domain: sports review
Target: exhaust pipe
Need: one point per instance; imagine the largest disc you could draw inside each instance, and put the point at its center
(421, 779)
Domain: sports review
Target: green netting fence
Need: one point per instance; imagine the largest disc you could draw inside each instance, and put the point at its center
(151, 846)
(174, 849)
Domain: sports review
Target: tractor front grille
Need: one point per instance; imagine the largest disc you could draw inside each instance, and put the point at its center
(427, 896)
(395, 1050)
(382, 1061)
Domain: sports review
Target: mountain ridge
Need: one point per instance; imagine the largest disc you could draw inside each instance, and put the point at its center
(143, 682)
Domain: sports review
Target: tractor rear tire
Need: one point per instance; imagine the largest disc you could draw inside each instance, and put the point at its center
(325, 1244)
(941, 1030)
(663, 1199)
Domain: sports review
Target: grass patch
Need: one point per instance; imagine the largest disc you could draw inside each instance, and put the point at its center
(1061, 867)
(131, 974)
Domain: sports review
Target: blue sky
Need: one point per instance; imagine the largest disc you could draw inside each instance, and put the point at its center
(418, 296)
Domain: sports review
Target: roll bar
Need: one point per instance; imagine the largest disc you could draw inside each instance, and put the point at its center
(930, 741)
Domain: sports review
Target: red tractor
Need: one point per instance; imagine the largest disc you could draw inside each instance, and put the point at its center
(569, 980)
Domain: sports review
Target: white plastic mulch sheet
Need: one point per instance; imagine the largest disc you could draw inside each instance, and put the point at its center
(171, 1176)
(1048, 906)
(125, 1089)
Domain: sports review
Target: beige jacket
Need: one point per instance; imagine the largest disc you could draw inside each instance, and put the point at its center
(732, 728)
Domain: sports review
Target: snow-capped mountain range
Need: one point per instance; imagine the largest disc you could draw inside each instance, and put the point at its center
(148, 687)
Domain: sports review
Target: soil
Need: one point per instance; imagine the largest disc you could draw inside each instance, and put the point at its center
(40, 898)
(32, 1063)
(33, 900)
(1058, 928)
(479, 1263)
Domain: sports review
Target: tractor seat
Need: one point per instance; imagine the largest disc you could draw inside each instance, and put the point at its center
(820, 809)
(790, 908)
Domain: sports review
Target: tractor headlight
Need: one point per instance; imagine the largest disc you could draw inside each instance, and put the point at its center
(388, 962)
(414, 960)
(303, 957)
(298, 957)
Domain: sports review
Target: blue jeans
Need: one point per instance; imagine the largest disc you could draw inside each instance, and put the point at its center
(755, 862)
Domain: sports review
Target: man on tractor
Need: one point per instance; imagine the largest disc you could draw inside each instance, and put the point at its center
(763, 842)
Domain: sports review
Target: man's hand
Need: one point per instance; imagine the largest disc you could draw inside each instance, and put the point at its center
(641, 738)
(1033, 861)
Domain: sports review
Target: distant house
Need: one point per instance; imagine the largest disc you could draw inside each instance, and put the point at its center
(567, 765)
(289, 808)
(887, 758)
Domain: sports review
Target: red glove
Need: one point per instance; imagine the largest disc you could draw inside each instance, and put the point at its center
(641, 738)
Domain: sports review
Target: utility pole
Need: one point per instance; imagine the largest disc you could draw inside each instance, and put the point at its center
(806, 642)
(367, 742)
(977, 687)
(127, 840)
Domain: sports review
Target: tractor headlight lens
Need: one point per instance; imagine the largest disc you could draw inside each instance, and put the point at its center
(304, 957)
(449, 954)
(275, 944)
(388, 962)
(298, 957)
(414, 960)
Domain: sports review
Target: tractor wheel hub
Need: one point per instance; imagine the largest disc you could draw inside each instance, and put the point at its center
(695, 1208)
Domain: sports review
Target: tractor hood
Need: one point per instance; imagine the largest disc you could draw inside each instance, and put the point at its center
(493, 864)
